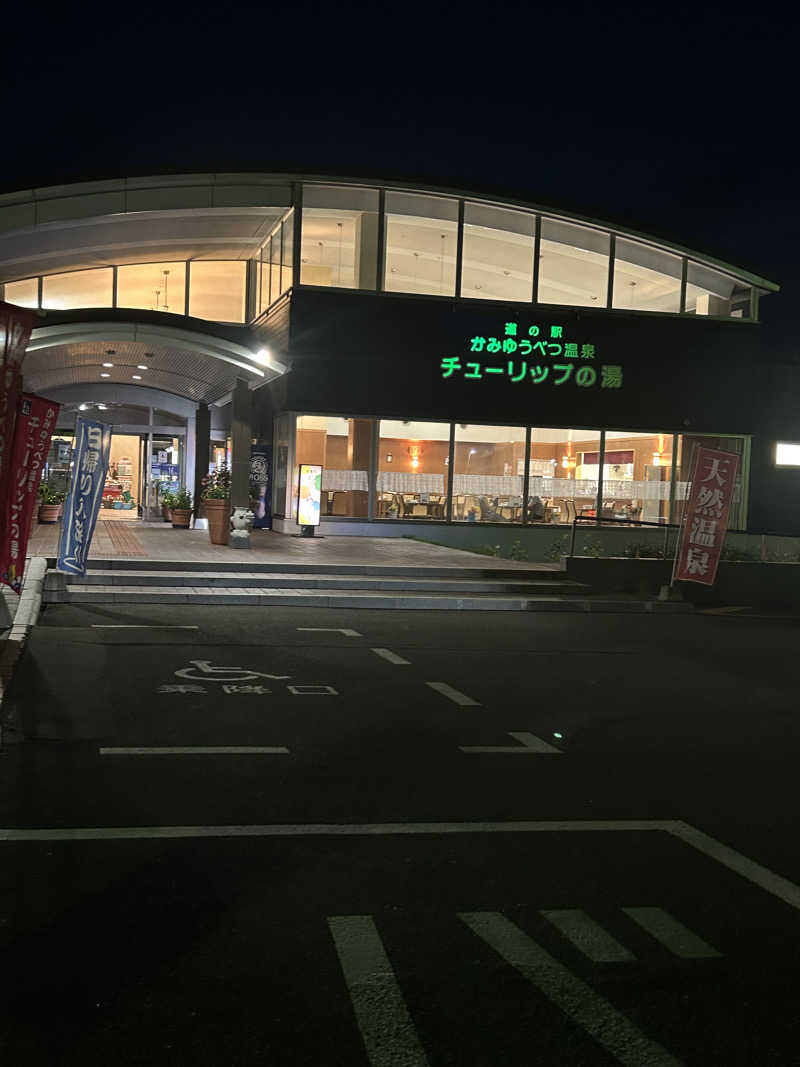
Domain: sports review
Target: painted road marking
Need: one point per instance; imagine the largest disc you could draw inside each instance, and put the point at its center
(140, 626)
(200, 670)
(198, 750)
(453, 694)
(386, 1027)
(328, 630)
(392, 657)
(609, 1027)
(774, 884)
(673, 935)
(529, 744)
(587, 936)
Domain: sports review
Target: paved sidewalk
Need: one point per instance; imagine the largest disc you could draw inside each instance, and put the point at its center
(158, 541)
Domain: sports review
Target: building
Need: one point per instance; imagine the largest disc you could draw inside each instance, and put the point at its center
(448, 358)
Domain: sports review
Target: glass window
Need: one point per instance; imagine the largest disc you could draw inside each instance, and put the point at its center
(645, 278)
(637, 468)
(498, 254)
(787, 454)
(573, 265)
(488, 473)
(153, 286)
(24, 294)
(562, 471)
(275, 272)
(78, 289)
(339, 237)
(709, 292)
(421, 238)
(342, 446)
(217, 290)
(737, 516)
(412, 469)
(287, 226)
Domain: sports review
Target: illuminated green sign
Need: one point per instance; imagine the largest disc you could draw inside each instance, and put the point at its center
(530, 352)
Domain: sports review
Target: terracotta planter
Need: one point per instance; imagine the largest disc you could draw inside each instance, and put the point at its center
(181, 518)
(218, 513)
(167, 513)
(49, 513)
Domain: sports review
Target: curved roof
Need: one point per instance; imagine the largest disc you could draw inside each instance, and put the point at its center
(199, 216)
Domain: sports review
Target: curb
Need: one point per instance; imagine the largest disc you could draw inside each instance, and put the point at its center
(27, 614)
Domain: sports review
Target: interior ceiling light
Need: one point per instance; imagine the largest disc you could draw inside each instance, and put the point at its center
(102, 407)
(108, 364)
(136, 377)
(142, 366)
(104, 374)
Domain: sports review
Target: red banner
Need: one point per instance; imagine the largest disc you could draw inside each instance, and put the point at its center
(706, 517)
(35, 422)
(15, 332)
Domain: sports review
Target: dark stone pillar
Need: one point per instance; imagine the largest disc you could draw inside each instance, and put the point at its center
(241, 437)
(202, 449)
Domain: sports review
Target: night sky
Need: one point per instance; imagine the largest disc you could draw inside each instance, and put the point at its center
(680, 121)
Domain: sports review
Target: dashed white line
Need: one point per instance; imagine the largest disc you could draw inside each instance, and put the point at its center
(391, 657)
(329, 630)
(196, 750)
(529, 744)
(672, 934)
(588, 936)
(453, 694)
(609, 1027)
(386, 1027)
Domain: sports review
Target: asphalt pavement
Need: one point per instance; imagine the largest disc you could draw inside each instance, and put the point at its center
(234, 836)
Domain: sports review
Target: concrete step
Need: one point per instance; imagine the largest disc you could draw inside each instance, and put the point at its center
(381, 582)
(349, 598)
(522, 572)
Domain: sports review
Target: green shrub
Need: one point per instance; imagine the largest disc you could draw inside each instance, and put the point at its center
(593, 547)
(643, 550)
(519, 552)
(486, 550)
(557, 549)
(182, 501)
(740, 555)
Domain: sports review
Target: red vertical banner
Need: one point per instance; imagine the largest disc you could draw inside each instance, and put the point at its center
(35, 423)
(15, 332)
(706, 517)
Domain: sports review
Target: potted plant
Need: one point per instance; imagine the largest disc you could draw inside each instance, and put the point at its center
(181, 509)
(50, 504)
(167, 504)
(216, 496)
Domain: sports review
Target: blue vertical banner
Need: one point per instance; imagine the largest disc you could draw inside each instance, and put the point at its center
(261, 485)
(92, 450)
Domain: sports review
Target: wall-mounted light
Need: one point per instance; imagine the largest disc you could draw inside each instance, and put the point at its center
(389, 457)
(82, 407)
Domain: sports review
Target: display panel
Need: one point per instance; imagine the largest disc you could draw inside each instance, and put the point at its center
(309, 495)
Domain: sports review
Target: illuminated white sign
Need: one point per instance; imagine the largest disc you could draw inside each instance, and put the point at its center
(309, 494)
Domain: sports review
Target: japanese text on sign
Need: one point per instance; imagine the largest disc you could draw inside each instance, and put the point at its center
(524, 354)
(706, 518)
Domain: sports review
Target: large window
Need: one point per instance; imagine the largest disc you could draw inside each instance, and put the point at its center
(412, 469)
(637, 468)
(421, 239)
(710, 292)
(24, 294)
(498, 254)
(79, 289)
(154, 286)
(573, 265)
(562, 469)
(488, 473)
(217, 290)
(339, 244)
(342, 446)
(645, 278)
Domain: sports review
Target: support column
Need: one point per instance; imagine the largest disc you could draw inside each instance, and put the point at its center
(241, 437)
(202, 451)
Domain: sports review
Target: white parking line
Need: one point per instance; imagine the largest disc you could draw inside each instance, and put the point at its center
(588, 936)
(529, 744)
(329, 630)
(198, 750)
(453, 694)
(392, 657)
(386, 1027)
(672, 934)
(140, 626)
(609, 1027)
